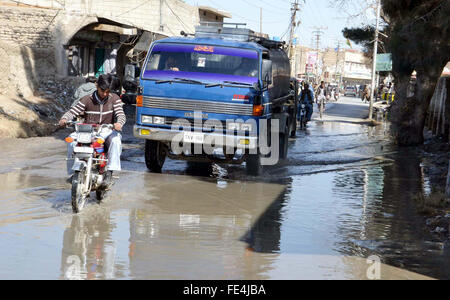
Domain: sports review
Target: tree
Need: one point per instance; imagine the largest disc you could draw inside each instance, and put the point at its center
(364, 36)
(418, 36)
(419, 41)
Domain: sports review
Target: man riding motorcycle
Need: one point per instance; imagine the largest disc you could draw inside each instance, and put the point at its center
(307, 98)
(322, 94)
(101, 107)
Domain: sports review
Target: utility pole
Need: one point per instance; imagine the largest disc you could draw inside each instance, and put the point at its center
(161, 15)
(260, 20)
(294, 9)
(318, 32)
(337, 65)
(374, 66)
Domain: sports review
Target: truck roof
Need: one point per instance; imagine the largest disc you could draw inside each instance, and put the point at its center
(213, 42)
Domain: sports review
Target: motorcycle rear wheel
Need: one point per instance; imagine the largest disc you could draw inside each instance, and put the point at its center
(78, 198)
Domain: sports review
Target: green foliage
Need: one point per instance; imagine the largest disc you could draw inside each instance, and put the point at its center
(361, 36)
(420, 36)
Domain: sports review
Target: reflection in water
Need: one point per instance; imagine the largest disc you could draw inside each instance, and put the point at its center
(196, 235)
(362, 210)
(88, 252)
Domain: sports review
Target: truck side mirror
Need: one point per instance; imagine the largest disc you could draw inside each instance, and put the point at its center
(267, 73)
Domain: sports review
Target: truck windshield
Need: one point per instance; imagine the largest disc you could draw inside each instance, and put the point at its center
(200, 62)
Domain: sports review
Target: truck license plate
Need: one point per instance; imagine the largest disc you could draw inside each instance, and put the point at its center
(194, 137)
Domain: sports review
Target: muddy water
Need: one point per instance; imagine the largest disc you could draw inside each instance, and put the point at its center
(344, 195)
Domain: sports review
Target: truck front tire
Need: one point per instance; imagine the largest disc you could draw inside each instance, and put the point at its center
(284, 142)
(155, 155)
(253, 165)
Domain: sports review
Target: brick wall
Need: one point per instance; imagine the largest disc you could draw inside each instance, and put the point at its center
(50, 24)
(176, 14)
(30, 27)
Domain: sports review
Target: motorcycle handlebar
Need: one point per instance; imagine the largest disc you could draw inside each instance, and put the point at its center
(71, 124)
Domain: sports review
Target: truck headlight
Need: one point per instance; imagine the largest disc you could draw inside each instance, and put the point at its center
(159, 120)
(147, 119)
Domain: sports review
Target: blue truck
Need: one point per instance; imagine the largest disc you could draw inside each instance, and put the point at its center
(221, 95)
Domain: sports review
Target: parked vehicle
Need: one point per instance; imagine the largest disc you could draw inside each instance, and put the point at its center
(89, 162)
(130, 84)
(225, 76)
(130, 94)
(350, 91)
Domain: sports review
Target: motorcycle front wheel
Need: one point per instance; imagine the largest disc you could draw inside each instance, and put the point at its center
(303, 121)
(78, 198)
(100, 194)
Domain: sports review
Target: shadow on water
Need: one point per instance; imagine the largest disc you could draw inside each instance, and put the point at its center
(265, 234)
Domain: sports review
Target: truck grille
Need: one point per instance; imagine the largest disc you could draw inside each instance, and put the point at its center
(199, 105)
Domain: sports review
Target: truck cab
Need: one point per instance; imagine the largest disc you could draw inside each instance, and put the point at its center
(214, 98)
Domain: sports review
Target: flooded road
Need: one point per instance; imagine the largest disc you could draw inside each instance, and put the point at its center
(344, 195)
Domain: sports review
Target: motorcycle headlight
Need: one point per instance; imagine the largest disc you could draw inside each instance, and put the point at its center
(84, 138)
(303, 105)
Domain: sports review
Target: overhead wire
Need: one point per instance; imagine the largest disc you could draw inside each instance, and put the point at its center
(177, 17)
(242, 17)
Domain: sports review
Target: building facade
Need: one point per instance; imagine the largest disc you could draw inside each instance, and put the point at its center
(345, 66)
(356, 69)
(88, 38)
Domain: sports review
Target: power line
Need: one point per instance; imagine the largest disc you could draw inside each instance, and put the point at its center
(240, 16)
(274, 7)
(176, 16)
(146, 1)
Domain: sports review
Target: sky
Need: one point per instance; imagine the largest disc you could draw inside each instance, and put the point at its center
(277, 14)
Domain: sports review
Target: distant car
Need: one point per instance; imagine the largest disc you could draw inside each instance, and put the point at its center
(350, 91)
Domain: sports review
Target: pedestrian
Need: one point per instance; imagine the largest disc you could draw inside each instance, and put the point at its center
(85, 89)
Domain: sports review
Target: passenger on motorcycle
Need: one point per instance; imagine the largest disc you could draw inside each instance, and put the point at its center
(307, 98)
(101, 107)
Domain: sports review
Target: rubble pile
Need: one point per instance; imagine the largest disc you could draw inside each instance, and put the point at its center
(29, 115)
(58, 96)
(32, 98)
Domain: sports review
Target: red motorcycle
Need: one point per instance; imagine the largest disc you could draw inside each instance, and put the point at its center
(90, 162)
